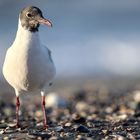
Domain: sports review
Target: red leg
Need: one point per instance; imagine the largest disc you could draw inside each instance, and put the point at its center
(44, 112)
(17, 111)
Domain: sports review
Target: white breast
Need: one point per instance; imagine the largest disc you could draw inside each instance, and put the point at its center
(27, 65)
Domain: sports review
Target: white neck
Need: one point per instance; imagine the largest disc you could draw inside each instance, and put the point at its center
(26, 37)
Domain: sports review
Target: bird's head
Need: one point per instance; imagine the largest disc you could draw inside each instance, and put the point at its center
(31, 17)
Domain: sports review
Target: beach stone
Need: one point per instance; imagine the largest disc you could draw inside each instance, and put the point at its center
(92, 117)
(67, 135)
(53, 138)
(2, 121)
(3, 125)
(136, 95)
(8, 111)
(105, 131)
(34, 134)
(118, 137)
(122, 117)
(109, 110)
(2, 131)
(130, 136)
(31, 136)
(12, 125)
(6, 138)
(81, 106)
(44, 135)
(79, 137)
(53, 100)
(10, 130)
(38, 113)
(68, 124)
(83, 129)
(137, 114)
(90, 124)
(59, 129)
(77, 118)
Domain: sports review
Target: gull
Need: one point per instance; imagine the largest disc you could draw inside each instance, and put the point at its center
(28, 65)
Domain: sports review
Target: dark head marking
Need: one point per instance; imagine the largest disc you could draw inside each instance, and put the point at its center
(30, 17)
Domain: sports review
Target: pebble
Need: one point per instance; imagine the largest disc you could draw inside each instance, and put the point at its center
(118, 117)
(31, 136)
(10, 130)
(6, 138)
(2, 121)
(118, 137)
(83, 129)
(122, 117)
(133, 105)
(105, 131)
(130, 136)
(44, 135)
(59, 129)
(78, 119)
(79, 137)
(92, 117)
(81, 106)
(34, 134)
(136, 96)
(8, 111)
(2, 132)
(12, 125)
(4, 125)
(53, 100)
(67, 135)
(38, 113)
(68, 124)
(53, 138)
(90, 124)
(109, 110)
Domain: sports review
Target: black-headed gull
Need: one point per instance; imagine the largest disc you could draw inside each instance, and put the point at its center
(28, 65)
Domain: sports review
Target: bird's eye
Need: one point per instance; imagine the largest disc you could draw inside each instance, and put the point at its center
(28, 15)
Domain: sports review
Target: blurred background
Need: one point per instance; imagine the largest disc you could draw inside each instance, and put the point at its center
(98, 38)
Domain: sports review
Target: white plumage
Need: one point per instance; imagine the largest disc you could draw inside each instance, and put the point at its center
(28, 65)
